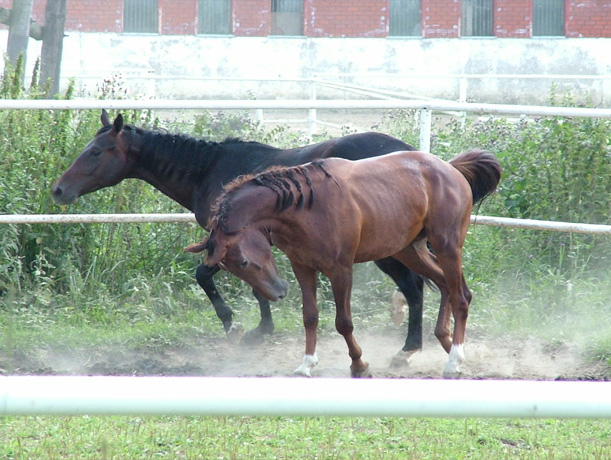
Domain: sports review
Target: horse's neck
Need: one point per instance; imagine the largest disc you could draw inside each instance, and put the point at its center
(167, 173)
(257, 205)
(254, 205)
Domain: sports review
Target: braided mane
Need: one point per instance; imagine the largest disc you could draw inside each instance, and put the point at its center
(285, 182)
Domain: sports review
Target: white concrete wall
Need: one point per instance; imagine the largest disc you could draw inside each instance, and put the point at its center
(172, 60)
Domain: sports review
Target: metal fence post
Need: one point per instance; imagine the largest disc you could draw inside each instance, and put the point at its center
(425, 130)
(312, 112)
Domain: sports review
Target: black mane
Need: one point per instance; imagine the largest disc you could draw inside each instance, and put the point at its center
(281, 180)
(182, 155)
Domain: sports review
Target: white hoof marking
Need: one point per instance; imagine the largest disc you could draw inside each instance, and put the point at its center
(457, 357)
(308, 363)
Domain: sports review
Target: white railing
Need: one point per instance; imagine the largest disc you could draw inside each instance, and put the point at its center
(426, 107)
(302, 397)
(567, 227)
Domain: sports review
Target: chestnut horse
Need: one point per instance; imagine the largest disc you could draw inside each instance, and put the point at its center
(193, 171)
(330, 214)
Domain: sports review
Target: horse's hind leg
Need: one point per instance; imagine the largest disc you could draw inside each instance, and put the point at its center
(449, 256)
(204, 276)
(411, 286)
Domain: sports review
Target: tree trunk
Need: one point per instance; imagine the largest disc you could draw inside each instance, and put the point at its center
(52, 45)
(19, 31)
(35, 28)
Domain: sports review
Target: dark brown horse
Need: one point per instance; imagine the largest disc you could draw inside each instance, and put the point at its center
(330, 214)
(193, 171)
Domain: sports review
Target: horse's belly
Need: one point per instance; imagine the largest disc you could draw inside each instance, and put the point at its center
(384, 241)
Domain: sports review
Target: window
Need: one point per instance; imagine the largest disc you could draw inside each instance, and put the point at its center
(476, 18)
(548, 17)
(214, 17)
(405, 18)
(287, 17)
(140, 16)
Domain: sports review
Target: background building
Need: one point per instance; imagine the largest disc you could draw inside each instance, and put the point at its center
(176, 48)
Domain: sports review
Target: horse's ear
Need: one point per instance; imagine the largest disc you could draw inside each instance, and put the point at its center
(117, 126)
(197, 247)
(104, 118)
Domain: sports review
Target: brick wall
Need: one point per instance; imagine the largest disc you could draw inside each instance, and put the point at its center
(512, 18)
(336, 18)
(251, 17)
(178, 17)
(588, 18)
(440, 18)
(86, 15)
(346, 18)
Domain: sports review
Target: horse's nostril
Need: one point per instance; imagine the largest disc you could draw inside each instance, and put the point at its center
(56, 191)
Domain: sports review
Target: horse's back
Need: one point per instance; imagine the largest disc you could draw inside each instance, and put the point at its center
(351, 147)
(392, 198)
(365, 145)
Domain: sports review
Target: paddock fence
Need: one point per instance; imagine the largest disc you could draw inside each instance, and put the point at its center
(76, 395)
(532, 224)
(424, 107)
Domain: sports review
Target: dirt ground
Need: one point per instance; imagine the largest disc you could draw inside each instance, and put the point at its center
(280, 354)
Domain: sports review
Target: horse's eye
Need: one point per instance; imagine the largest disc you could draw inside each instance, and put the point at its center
(96, 152)
(244, 264)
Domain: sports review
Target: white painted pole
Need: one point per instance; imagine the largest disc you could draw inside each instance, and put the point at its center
(230, 104)
(305, 397)
(532, 224)
(425, 130)
(312, 112)
(95, 218)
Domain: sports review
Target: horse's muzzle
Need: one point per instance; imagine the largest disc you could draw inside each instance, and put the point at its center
(278, 291)
(60, 197)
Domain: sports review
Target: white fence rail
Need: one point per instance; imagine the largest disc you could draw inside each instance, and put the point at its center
(532, 224)
(302, 397)
(230, 104)
(425, 106)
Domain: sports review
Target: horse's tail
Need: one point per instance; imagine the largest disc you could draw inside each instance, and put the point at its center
(481, 169)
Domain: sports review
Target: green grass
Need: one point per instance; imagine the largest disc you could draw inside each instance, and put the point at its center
(301, 438)
(515, 305)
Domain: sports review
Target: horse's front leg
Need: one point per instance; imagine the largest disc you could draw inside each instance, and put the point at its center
(341, 284)
(266, 324)
(204, 276)
(306, 277)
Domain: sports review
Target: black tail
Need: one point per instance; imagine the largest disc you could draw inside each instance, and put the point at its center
(481, 169)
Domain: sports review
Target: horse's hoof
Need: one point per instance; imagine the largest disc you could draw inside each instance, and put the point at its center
(308, 363)
(361, 372)
(253, 337)
(235, 332)
(302, 372)
(456, 359)
(402, 359)
(451, 374)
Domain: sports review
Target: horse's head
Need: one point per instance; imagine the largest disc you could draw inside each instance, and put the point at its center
(104, 162)
(248, 255)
